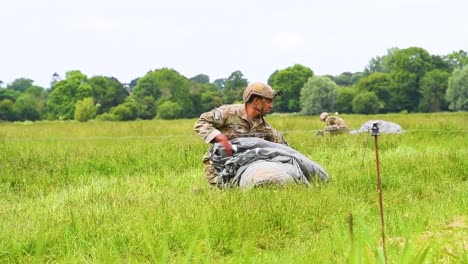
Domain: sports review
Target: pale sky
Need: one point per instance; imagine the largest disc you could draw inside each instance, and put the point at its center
(127, 38)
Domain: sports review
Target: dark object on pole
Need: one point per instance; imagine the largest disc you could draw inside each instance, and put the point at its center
(375, 134)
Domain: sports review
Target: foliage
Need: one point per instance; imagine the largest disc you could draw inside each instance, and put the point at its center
(85, 109)
(30, 104)
(234, 87)
(28, 107)
(457, 92)
(344, 99)
(169, 110)
(9, 94)
(402, 79)
(221, 83)
(206, 97)
(107, 117)
(382, 63)
(410, 66)
(346, 78)
(442, 64)
(7, 111)
(147, 108)
(380, 84)
(66, 93)
(290, 81)
(201, 79)
(366, 103)
(20, 84)
(457, 59)
(166, 84)
(107, 92)
(433, 87)
(318, 95)
(129, 110)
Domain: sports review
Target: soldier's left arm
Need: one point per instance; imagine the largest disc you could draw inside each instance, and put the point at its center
(277, 137)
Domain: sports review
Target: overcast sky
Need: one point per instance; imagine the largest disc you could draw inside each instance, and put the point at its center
(127, 38)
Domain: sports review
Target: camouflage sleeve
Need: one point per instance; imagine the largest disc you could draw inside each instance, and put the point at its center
(334, 123)
(330, 124)
(330, 121)
(341, 123)
(206, 126)
(277, 137)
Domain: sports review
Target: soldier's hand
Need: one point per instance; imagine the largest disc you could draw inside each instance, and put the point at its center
(223, 140)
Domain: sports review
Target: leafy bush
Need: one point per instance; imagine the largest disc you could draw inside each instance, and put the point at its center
(169, 110)
(126, 111)
(6, 110)
(107, 117)
(366, 103)
(85, 109)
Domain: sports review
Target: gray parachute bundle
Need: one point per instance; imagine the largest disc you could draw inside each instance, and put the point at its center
(256, 162)
(384, 127)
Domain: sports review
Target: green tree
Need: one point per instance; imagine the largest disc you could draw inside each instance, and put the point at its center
(290, 81)
(345, 98)
(440, 63)
(201, 79)
(20, 84)
(54, 79)
(7, 111)
(220, 83)
(85, 109)
(410, 66)
(147, 108)
(433, 87)
(457, 59)
(66, 93)
(366, 103)
(107, 92)
(127, 111)
(166, 85)
(30, 105)
(318, 94)
(382, 64)
(9, 94)
(457, 91)
(234, 87)
(346, 78)
(211, 97)
(205, 97)
(380, 84)
(169, 110)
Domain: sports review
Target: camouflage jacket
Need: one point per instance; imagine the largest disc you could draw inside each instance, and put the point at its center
(335, 123)
(232, 121)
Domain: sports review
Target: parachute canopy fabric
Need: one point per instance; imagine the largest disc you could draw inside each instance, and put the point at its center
(384, 127)
(256, 162)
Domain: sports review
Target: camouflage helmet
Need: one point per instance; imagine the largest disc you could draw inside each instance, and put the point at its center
(323, 116)
(260, 89)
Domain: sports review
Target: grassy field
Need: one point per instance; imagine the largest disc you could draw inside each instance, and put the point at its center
(134, 192)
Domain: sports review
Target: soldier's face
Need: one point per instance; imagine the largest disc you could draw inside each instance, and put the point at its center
(264, 105)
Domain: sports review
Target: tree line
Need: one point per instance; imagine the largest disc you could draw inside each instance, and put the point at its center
(408, 79)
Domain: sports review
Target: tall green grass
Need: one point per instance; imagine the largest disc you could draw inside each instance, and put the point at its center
(135, 193)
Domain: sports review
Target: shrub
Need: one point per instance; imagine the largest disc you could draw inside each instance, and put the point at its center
(85, 109)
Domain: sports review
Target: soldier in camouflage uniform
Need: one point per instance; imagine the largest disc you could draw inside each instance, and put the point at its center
(333, 124)
(238, 120)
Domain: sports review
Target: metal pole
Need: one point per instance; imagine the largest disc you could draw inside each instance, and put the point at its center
(375, 134)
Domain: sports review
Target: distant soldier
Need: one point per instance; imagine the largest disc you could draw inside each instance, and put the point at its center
(333, 124)
(238, 120)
